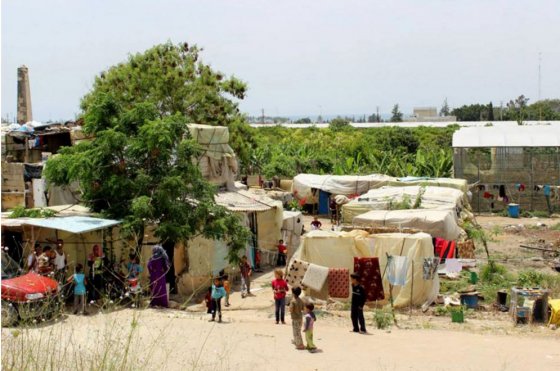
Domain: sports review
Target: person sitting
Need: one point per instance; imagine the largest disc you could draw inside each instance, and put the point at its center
(316, 224)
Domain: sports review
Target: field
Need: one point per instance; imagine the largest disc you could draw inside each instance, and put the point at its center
(150, 339)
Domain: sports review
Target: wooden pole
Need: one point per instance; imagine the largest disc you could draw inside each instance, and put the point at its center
(411, 288)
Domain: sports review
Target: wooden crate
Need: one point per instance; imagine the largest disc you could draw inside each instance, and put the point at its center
(12, 199)
(12, 177)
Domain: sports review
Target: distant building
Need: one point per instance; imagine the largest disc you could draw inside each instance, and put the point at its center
(429, 114)
(23, 96)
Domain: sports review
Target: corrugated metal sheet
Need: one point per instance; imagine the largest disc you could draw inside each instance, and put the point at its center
(515, 136)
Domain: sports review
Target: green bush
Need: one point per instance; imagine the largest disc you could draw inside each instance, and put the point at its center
(382, 318)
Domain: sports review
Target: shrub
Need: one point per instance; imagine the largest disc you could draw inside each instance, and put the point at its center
(382, 318)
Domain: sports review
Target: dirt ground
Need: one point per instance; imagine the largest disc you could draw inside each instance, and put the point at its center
(249, 338)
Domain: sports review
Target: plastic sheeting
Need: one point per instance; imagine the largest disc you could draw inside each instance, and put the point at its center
(437, 223)
(382, 198)
(338, 249)
(460, 184)
(303, 185)
(292, 226)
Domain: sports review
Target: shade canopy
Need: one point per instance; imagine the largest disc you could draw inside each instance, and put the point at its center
(73, 224)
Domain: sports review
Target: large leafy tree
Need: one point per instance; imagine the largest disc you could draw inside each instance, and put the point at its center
(139, 167)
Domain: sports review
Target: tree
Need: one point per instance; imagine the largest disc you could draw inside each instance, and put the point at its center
(490, 112)
(141, 164)
(444, 108)
(339, 123)
(518, 108)
(396, 114)
(305, 120)
(472, 112)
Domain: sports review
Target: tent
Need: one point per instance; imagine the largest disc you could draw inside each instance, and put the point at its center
(305, 186)
(460, 184)
(338, 249)
(292, 226)
(437, 223)
(385, 198)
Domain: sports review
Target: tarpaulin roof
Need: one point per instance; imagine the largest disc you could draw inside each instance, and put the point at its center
(73, 224)
(243, 201)
(516, 136)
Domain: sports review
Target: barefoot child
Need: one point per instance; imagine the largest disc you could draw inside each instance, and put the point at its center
(218, 293)
(80, 282)
(279, 286)
(308, 326)
(296, 312)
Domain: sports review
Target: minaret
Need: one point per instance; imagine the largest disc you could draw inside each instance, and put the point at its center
(24, 96)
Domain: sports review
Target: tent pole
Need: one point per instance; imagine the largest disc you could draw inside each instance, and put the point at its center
(411, 288)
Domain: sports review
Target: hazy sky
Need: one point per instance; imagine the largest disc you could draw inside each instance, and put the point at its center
(297, 56)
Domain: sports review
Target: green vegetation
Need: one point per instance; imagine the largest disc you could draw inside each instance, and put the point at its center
(382, 318)
(342, 149)
(22, 212)
(141, 165)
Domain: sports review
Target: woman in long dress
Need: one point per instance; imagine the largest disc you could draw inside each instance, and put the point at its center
(158, 265)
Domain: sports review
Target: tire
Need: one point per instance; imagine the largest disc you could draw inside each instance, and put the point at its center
(9, 314)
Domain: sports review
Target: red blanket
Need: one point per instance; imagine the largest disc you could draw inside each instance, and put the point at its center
(339, 283)
(368, 269)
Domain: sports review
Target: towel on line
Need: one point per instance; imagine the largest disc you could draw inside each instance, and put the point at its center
(315, 277)
(397, 269)
(339, 283)
(296, 272)
(430, 267)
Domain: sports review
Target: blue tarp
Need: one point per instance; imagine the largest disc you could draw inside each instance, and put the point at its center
(73, 224)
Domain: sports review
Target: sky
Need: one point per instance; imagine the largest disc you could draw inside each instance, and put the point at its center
(297, 57)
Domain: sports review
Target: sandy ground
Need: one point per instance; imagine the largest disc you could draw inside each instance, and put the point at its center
(249, 338)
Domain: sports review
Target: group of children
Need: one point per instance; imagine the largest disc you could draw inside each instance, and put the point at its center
(220, 288)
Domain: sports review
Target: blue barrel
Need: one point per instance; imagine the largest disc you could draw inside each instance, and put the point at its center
(470, 301)
(513, 210)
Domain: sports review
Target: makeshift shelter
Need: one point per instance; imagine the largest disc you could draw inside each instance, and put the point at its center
(218, 163)
(338, 249)
(437, 223)
(292, 226)
(316, 189)
(387, 198)
(460, 184)
(519, 165)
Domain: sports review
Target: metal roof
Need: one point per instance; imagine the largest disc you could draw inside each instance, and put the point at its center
(73, 224)
(516, 136)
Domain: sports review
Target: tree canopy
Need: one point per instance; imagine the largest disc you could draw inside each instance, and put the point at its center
(139, 167)
(396, 114)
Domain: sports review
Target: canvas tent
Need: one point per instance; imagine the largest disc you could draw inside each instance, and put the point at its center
(305, 186)
(384, 197)
(338, 249)
(437, 223)
(460, 184)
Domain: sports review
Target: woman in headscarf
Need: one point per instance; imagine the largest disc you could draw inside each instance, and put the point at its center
(158, 265)
(96, 263)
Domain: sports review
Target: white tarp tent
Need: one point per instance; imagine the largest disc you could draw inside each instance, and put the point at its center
(515, 136)
(347, 185)
(338, 249)
(460, 184)
(384, 198)
(437, 223)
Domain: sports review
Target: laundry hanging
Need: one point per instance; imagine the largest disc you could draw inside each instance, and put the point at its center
(453, 266)
(465, 249)
(368, 269)
(444, 249)
(397, 267)
(430, 267)
(315, 277)
(339, 282)
(296, 272)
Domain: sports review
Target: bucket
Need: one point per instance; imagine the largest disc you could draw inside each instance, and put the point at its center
(502, 297)
(470, 301)
(457, 316)
(513, 210)
(474, 278)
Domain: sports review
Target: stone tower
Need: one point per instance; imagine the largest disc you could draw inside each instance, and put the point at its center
(23, 96)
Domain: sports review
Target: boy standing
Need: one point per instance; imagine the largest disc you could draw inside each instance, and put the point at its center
(246, 270)
(357, 307)
(296, 310)
(282, 254)
(308, 327)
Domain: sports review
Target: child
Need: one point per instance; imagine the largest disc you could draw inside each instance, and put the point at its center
(80, 282)
(225, 281)
(279, 286)
(282, 254)
(218, 293)
(245, 269)
(308, 327)
(357, 306)
(133, 267)
(296, 309)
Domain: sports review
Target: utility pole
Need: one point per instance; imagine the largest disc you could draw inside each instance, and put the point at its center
(377, 118)
(501, 111)
(540, 106)
(262, 116)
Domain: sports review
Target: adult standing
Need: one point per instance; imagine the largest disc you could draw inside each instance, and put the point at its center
(32, 259)
(357, 306)
(96, 263)
(158, 265)
(60, 261)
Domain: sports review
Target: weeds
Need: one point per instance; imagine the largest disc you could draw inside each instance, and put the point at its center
(382, 318)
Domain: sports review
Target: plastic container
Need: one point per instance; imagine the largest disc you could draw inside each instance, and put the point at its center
(457, 316)
(470, 301)
(513, 210)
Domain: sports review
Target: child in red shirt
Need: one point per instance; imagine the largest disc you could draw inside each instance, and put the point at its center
(282, 254)
(279, 286)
